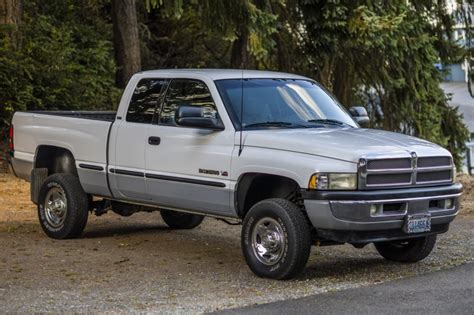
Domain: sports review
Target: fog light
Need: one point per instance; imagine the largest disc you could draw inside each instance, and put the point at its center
(373, 210)
(449, 203)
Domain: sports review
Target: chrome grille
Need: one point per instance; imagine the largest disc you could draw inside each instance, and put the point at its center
(434, 161)
(388, 179)
(433, 176)
(388, 164)
(383, 172)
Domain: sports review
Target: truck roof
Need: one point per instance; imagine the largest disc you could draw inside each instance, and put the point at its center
(221, 74)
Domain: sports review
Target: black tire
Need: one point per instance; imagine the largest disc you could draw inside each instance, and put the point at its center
(76, 205)
(411, 250)
(292, 256)
(181, 220)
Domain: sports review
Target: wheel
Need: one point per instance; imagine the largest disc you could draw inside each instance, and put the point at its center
(181, 220)
(276, 239)
(411, 250)
(62, 206)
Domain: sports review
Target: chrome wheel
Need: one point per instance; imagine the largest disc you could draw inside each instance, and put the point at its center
(55, 207)
(268, 241)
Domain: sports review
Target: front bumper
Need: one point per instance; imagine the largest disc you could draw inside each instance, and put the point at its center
(346, 215)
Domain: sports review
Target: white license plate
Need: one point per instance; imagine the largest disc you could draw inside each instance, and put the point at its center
(417, 224)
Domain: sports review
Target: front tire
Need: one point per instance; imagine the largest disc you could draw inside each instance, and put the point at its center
(276, 239)
(62, 206)
(181, 220)
(411, 250)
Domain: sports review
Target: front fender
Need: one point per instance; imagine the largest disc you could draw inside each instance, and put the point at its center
(296, 166)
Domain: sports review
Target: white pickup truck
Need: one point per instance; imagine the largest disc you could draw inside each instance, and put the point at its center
(272, 150)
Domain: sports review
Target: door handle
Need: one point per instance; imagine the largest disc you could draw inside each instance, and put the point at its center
(154, 140)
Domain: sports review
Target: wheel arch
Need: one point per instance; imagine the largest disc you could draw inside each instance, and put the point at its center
(253, 187)
(55, 159)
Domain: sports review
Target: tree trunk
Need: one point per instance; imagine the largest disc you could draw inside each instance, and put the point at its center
(10, 12)
(126, 40)
(10, 17)
(240, 55)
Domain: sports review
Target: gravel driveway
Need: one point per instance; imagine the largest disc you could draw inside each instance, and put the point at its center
(138, 264)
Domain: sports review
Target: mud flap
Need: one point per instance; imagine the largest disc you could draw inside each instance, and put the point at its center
(38, 176)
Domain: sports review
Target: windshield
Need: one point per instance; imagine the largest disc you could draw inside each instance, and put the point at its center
(281, 103)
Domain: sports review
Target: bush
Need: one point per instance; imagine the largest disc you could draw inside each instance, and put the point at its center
(59, 64)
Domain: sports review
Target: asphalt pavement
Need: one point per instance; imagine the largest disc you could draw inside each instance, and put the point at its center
(444, 292)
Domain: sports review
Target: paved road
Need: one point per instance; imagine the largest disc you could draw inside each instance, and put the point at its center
(443, 292)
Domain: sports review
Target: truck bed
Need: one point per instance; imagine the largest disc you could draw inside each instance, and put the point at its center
(83, 133)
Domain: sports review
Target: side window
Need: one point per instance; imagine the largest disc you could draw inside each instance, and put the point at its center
(186, 92)
(145, 98)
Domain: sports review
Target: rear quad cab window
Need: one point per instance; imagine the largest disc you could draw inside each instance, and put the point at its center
(145, 99)
(189, 93)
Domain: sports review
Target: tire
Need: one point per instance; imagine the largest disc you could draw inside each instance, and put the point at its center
(407, 251)
(181, 220)
(67, 217)
(276, 239)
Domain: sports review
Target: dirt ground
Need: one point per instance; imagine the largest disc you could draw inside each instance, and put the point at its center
(137, 264)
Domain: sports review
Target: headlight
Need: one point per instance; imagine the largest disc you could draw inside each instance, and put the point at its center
(333, 181)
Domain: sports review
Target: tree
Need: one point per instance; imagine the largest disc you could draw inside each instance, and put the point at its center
(249, 25)
(465, 14)
(126, 40)
(382, 53)
(10, 12)
(65, 60)
(10, 17)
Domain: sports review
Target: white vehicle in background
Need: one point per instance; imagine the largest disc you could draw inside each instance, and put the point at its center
(272, 150)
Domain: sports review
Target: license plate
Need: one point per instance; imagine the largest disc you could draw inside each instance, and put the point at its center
(417, 224)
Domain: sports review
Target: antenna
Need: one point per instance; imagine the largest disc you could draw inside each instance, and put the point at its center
(241, 111)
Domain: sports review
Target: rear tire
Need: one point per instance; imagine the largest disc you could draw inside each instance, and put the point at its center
(181, 220)
(276, 239)
(62, 206)
(407, 251)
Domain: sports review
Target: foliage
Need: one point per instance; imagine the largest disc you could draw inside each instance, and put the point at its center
(385, 52)
(248, 25)
(465, 15)
(61, 63)
(163, 45)
(375, 53)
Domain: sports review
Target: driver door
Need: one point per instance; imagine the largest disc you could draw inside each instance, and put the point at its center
(187, 167)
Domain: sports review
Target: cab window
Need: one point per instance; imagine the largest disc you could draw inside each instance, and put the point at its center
(186, 92)
(145, 99)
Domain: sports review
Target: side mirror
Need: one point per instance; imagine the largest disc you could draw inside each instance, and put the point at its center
(359, 114)
(193, 116)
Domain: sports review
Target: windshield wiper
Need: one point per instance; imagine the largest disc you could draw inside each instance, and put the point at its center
(329, 122)
(275, 124)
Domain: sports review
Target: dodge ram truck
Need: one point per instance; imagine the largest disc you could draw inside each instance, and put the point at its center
(272, 151)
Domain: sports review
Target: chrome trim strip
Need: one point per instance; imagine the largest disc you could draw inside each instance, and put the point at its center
(390, 171)
(398, 200)
(435, 168)
(444, 181)
(389, 185)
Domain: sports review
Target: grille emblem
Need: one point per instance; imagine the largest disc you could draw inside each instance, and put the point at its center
(414, 159)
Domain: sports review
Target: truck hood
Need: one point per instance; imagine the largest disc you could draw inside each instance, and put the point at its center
(347, 144)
